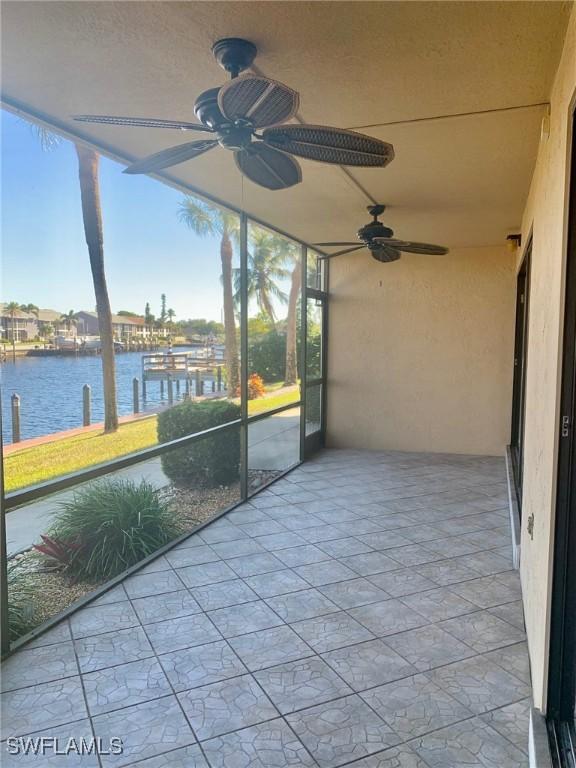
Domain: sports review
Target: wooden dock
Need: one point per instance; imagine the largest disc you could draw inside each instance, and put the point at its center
(200, 375)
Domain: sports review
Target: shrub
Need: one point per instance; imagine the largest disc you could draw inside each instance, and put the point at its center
(21, 613)
(111, 525)
(211, 461)
(255, 386)
(267, 355)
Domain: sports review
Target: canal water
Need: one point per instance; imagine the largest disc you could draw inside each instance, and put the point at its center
(50, 390)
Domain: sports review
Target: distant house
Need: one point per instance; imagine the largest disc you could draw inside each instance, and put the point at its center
(22, 327)
(50, 323)
(124, 326)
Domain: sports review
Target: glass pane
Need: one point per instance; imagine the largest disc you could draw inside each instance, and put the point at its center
(315, 268)
(274, 318)
(314, 323)
(169, 261)
(273, 447)
(73, 542)
(313, 409)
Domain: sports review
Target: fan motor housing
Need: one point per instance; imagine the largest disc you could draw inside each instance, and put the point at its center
(374, 229)
(207, 110)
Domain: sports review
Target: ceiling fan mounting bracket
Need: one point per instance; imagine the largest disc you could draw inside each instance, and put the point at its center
(376, 210)
(234, 54)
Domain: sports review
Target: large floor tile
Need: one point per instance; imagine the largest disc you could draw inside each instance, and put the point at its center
(305, 604)
(41, 706)
(335, 630)
(428, 647)
(341, 731)
(388, 617)
(111, 648)
(354, 592)
(269, 647)
(201, 665)
(103, 618)
(183, 632)
(162, 607)
(226, 706)
(482, 631)
(124, 685)
(365, 665)
(38, 665)
(244, 618)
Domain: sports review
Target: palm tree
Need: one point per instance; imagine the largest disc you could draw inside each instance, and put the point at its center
(266, 265)
(170, 315)
(88, 162)
(68, 319)
(291, 373)
(11, 309)
(30, 308)
(209, 221)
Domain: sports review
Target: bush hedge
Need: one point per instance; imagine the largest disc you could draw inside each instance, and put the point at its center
(212, 461)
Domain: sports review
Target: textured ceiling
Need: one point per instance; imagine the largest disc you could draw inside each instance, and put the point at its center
(457, 181)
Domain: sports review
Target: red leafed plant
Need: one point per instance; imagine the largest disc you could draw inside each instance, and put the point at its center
(56, 549)
(256, 387)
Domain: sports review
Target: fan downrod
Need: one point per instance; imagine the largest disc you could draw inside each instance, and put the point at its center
(234, 54)
(376, 210)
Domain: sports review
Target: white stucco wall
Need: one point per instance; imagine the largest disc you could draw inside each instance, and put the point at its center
(545, 215)
(421, 351)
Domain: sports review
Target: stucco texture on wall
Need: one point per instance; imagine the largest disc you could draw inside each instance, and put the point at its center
(545, 215)
(421, 352)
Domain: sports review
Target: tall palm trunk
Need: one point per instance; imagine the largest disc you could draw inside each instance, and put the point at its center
(232, 363)
(291, 375)
(90, 192)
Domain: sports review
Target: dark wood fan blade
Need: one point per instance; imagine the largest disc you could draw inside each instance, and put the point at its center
(409, 247)
(143, 122)
(330, 145)
(171, 156)
(341, 253)
(385, 254)
(327, 244)
(268, 168)
(261, 101)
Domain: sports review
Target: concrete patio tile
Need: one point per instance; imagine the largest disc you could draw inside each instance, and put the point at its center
(221, 531)
(360, 526)
(209, 573)
(185, 757)
(103, 618)
(479, 684)
(482, 631)
(370, 563)
(231, 549)
(447, 572)
(226, 706)
(323, 533)
(224, 594)
(178, 558)
(80, 729)
(428, 647)
(276, 583)
(304, 555)
(300, 684)
(191, 541)
(396, 757)
(513, 613)
(414, 706)
(305, 604)
(486, 592)
(152, 584)
(252, 565)
(201, 665)
(488, 563)
(388, 539)
(124, 685)
(368, 664)
(38, 665)
(514, 659)
(352, 593)
(337, 515)
(262, 746)
(404, 581)
(334, 630)
(413, 554)
(387, 617)
(156, 565)
(470, 743)
(162, 607)
(263, 528)
(422, 533)
(438, 604)
(275, 541)
(299, 521)
(246, 513)
(182, 632)
(340, 731)
(244, 618)
(114, 595)
(344, 547)
(327, 572)
(41, 706)
(512, 722)
(269, 647)
(111, 648)
(146, 730)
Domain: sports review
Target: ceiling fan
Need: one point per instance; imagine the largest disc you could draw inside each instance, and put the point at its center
(380, 241)
(236, 112)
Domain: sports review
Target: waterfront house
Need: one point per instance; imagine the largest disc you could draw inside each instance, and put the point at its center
(125, 327)
(17, 326)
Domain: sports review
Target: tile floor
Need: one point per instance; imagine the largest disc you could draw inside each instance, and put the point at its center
(361, 611)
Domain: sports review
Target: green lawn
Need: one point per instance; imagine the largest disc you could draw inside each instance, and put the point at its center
(44, 462)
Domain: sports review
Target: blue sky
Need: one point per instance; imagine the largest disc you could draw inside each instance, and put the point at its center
(147, 250)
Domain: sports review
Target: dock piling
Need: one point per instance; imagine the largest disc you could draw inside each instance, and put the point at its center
(86, 405)
(15, 402)
(135, 394)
